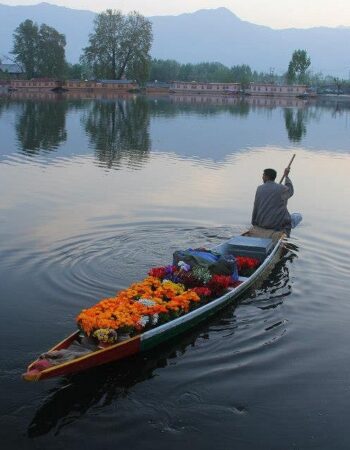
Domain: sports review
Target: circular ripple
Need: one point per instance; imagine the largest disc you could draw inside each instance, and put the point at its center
(82, 269)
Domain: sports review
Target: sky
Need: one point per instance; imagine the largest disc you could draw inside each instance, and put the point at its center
(272, 13)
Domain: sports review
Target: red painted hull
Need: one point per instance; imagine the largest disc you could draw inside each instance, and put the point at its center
(97, 358)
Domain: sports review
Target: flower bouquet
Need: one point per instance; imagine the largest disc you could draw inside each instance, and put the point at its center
(168, 292)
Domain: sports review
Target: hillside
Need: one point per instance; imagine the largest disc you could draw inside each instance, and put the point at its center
(206, 35)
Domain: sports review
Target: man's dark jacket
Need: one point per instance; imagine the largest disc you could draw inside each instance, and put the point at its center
(270, 205)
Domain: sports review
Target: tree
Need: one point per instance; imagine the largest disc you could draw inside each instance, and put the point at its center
(242, 74)
(51, 52)
(25, 47)
(164, 70)
(39, 51)
(298, 66)
(339, 83)
(119, 45)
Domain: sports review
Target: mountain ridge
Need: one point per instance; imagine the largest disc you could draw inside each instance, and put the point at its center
(204, 35)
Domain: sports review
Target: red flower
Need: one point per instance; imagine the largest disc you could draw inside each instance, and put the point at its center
(244, 263)
(157, 272)
(219, 283)
(202, 291)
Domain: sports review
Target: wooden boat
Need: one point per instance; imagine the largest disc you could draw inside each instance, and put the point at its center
(155, 336)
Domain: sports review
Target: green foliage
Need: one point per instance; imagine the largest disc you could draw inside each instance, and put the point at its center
(78, 72)
(298, 66)
(119, 45)
(170, 70)
(164, 70)
(202, 274)
(74, 71)
(25, 47)
(242, 74)
(40, 51)
(51, 52)
(338, 83)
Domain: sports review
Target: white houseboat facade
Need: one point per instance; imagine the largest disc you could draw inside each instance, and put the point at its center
(192, 87)
(39, 84)
(284, 90)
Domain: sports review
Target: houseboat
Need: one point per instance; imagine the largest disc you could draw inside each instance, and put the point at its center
(192, 87)
(274, 90)
(47, 84)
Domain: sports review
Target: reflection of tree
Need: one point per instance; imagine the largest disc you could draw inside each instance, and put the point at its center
(295, 124)
(119, 130)
(4, 104)
(41, 126)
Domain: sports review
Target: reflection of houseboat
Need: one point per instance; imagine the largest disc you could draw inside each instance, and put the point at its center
(254, 101)
(193, 87)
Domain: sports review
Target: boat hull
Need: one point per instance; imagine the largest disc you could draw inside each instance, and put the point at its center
(154, 337)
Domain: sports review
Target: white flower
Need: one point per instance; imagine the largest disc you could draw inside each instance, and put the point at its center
(184, 266)
(155, 318)
(144, 321)
(146, 302)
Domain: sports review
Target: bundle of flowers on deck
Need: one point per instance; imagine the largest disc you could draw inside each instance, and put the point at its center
(246, 265)
(197, 279)
(142, 306)
(165, 294)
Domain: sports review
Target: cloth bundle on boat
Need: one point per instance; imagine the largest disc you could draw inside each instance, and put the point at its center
(77, 348)
(215, 263)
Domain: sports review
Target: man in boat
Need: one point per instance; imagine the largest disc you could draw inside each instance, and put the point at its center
(270, 218)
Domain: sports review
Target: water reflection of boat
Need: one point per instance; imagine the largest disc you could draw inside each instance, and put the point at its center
(67, 95)
(153, 337)
(251, 100)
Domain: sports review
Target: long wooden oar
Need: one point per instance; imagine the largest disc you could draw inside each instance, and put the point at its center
(288, 167)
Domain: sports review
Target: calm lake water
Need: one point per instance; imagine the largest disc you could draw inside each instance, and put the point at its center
(94, 192)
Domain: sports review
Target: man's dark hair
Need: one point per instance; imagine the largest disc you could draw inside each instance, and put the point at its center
(271, 174)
